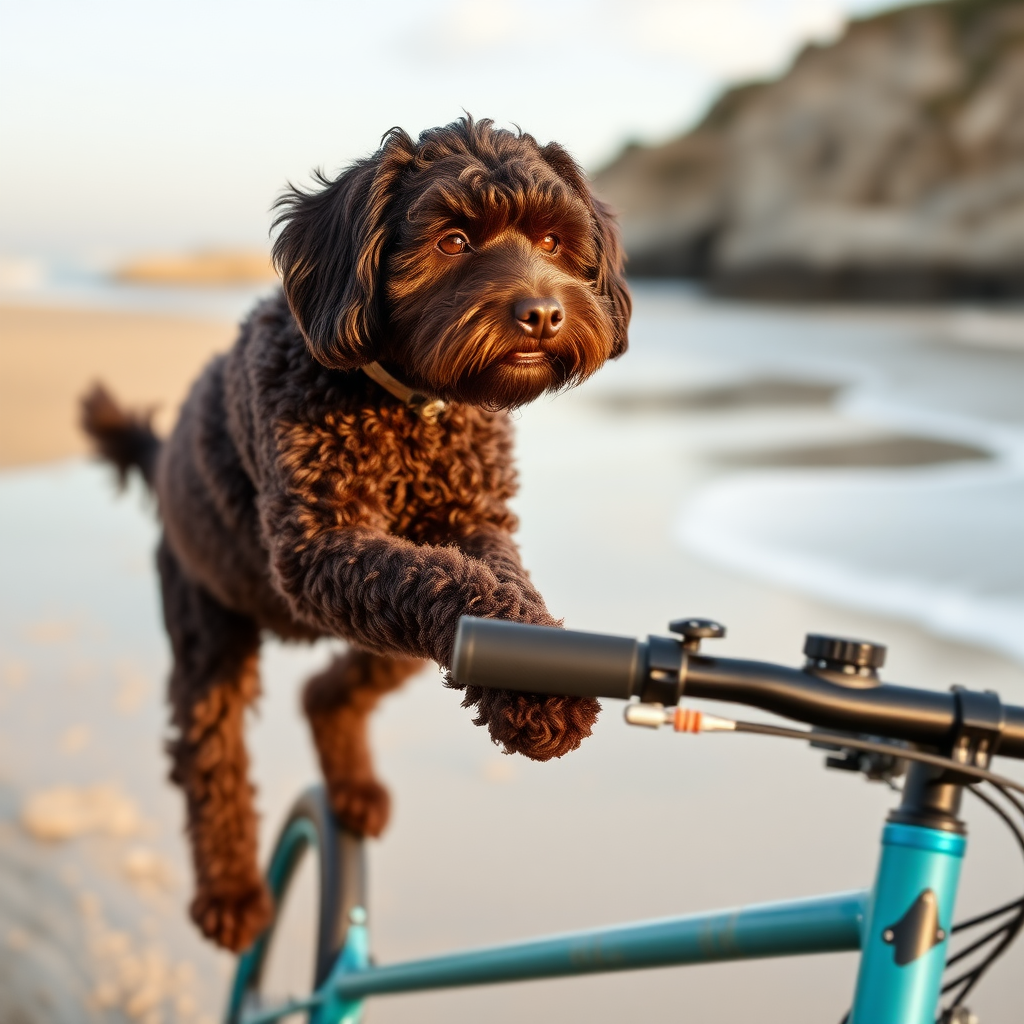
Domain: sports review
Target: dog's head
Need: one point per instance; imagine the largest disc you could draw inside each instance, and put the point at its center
(474, 263)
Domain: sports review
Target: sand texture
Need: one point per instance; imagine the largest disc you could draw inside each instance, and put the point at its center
(48, 357)
(79, 941)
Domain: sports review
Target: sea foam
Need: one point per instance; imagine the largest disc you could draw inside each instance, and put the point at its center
(939, 546)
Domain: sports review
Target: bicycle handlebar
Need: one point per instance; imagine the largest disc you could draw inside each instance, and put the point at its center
(541, 659)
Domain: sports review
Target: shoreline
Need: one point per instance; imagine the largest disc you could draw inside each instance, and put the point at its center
(53, 347)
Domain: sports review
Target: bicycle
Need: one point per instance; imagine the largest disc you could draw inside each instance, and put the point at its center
(942, 743)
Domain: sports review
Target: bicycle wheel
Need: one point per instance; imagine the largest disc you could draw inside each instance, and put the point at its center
(339, 876)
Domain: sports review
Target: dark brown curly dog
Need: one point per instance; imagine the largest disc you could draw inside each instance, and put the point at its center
(470, 271)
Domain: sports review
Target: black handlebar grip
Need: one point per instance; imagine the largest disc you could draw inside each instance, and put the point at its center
(543, 659)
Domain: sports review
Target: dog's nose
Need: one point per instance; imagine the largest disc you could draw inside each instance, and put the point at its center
(540, 318)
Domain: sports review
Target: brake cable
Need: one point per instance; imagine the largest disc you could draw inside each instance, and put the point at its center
(690, 721)
(687, 720)
(1008, 931)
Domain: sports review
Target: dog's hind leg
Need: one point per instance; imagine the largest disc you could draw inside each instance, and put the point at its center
(213, 679)
(338, 702)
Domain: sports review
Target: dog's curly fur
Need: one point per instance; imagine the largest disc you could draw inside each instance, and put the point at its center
(300, 497)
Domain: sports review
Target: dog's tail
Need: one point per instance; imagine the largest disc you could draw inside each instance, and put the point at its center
(122, 437)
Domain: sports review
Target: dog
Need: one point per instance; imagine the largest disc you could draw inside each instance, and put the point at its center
(345, 469)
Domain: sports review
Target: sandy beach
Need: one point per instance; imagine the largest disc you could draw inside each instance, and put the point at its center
(77, 932)
(483, 848)
(48, 357)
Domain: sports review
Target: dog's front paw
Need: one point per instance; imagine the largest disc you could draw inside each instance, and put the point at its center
(363, 806)
(234, 920)
(534, 725)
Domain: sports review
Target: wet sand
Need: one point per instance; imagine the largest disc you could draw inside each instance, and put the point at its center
(483, 848)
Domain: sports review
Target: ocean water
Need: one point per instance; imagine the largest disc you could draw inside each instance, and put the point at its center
(934, 540)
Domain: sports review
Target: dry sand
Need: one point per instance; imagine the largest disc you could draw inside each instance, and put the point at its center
(213, 267)
(49, 357)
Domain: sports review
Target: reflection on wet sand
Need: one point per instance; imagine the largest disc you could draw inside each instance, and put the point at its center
(880, 453)
(768, 394)
(753, 394)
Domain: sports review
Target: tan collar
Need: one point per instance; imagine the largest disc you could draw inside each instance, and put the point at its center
(427, 408)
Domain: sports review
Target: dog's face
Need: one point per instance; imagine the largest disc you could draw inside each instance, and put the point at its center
(490, 284)
(474, 264)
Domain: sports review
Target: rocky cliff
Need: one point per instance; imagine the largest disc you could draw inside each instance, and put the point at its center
(889, 164)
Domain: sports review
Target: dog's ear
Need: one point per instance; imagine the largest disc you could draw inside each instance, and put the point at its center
(611, 278)
(329, 254)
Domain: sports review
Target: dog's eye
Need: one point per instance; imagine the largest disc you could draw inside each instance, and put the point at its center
(453, 244)
(549, 243)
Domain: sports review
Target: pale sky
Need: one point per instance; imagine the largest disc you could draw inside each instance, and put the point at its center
(140, 125)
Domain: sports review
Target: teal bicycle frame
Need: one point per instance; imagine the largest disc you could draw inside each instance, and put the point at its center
(900, 926)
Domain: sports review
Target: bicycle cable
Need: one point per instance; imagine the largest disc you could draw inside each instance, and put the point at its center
(990, 915)
(869, 746)
(1005, 933)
